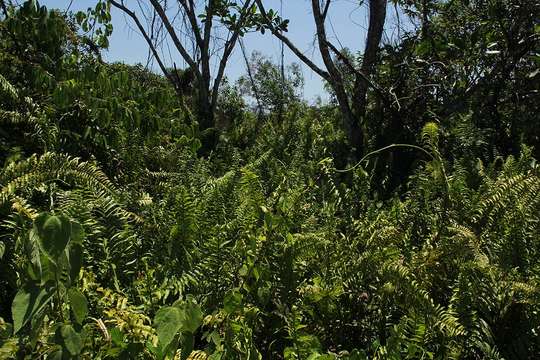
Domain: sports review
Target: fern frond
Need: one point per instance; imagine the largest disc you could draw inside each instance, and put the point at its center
(519, 189)
(430, 133)
(196, 355)
(26, 175)
(6, 89)
(21, 206)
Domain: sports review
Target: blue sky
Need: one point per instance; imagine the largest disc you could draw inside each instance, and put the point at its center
(347, 26)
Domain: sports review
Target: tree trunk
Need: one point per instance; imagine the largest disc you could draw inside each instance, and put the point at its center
(336, 82)
(377, 16)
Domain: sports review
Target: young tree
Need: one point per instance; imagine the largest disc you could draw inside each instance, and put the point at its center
(352, 103)
(265, 84)
(204, 34)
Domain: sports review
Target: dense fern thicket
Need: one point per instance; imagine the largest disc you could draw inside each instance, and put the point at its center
(118, 239)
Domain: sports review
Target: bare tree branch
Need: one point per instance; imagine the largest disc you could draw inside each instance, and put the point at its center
(172, 33)
(354, 69)
(132, 15)
(326, 8)
(190, 11)
(205, 48)
(290, 45)
(336, 79)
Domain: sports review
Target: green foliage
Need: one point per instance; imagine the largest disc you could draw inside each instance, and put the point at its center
(78, 304)
(174, 323)
(118, 240)
(27, 303)
(266, 84)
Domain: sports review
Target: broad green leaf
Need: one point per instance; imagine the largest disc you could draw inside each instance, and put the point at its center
(56, 355)
(75, 261)
(69, 339)
(191, 316)
(188, 342)
(216, 339)
(218, 355)
(46, 269)
(117, 336)
(54, 233)
(78, 304)
(232, 302)
(155, 350)
(77, 233)
(35, 324)
(168, 321)
(27, 303)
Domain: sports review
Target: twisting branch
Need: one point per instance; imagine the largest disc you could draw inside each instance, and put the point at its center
(336, 78)
(205, 48)
(134, 17)
(290, 45)
(176, 41)
(190, 11)
(355, 70)
(208, 23)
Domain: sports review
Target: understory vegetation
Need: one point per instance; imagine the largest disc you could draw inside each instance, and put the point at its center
(126, 233)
